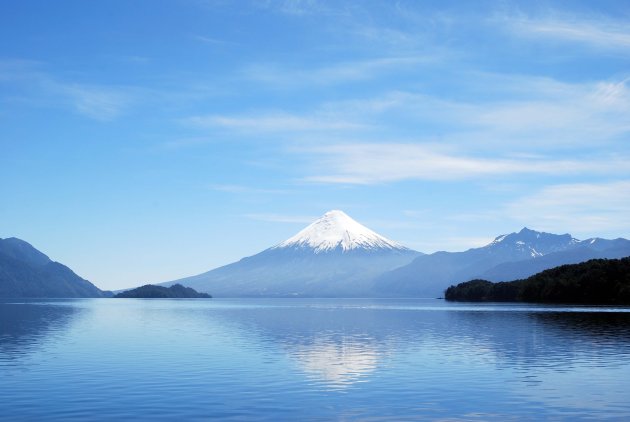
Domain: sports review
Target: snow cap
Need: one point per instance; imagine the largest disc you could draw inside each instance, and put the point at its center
(335, 229)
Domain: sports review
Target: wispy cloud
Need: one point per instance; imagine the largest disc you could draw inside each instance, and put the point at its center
(344, 72)
(181, 143)
(18, 69)
(274, 122)
(540, 112)
(288, 7)
(295, 7)
(212, 41)
(35, 86)
(280, 218)
(383, 163)
(579, 208)
(342, 141)
(97, 102)
(241, 189)
(449, 243)
(598, 32)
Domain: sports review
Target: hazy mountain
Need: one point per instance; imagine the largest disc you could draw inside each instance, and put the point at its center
(618, 248)
(508, 257)
(334, 256)
(27, 272)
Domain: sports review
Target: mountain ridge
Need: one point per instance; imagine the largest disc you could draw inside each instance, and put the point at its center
(27, 272)
(336, 256)
(507, 257)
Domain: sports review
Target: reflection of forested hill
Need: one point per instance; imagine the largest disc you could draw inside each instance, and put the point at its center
(24, 326)
(598, 281)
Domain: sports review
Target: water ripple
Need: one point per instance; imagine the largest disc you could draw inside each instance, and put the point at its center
(278, 359)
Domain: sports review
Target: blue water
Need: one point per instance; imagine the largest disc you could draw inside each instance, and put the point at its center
(311, 359)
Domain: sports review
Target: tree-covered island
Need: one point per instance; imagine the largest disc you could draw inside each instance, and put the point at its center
(150, 291)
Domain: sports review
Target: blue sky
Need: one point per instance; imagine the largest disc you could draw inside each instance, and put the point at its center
(143, 141)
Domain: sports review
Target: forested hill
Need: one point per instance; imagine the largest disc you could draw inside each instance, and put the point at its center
(598, 281)
(150, 291)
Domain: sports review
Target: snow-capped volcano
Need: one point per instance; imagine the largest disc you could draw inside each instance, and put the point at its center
(334, 256)
(335, 230)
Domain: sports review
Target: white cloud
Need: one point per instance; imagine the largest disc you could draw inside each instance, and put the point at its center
(97, 102)
(351, 71)
(240, 189)
(181, 143)
(285, 7)
(541, 114)
(296, 7)
(36, 87)
(274, 122)
(598, 32)
(562, 113)
(279, 218)
(382, 163)
(212, 41)
(583, 209)
(18, 69)
(449, 243)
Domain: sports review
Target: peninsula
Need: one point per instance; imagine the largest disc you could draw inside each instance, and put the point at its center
(594, 282)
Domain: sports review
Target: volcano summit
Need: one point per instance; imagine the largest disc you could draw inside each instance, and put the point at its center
(335, 256)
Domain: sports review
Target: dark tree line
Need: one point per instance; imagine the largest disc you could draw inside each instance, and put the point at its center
(150, 291)
(598, 281)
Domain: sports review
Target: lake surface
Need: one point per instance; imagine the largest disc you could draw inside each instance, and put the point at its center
(311, 359)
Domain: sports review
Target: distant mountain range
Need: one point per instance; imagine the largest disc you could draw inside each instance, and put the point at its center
(508, 257)
(27, 272)
(333, 257)
(337, 257)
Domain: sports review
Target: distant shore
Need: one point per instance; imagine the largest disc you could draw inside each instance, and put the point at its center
(594, 282)
(150, 291)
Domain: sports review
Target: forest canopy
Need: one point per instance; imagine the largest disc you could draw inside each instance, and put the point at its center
(598, 281)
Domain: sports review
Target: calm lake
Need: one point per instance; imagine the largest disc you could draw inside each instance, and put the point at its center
(311, 359)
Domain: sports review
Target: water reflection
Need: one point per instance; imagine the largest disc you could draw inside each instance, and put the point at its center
(311, 359)
(544, 339)
(332, 347)
(341, 345)
(25, 326)
(337, 364)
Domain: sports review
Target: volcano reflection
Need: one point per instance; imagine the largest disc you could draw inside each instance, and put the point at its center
(337, 363)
